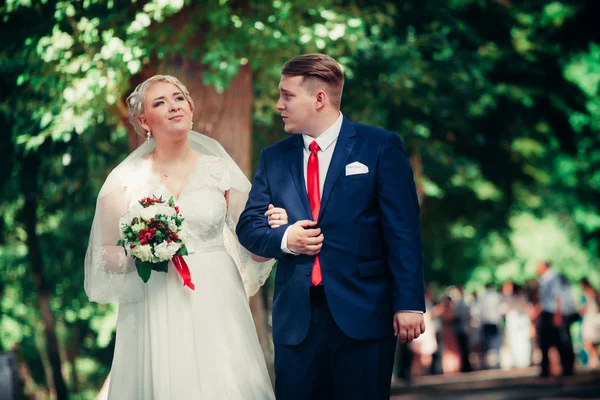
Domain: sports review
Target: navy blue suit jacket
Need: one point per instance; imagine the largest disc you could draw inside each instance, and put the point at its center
(371, 257)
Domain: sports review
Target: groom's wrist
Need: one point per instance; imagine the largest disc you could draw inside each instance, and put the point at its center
(284, 246)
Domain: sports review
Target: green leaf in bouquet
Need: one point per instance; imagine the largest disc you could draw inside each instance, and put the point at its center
(161, 266)
(144, 269)
(182, 251)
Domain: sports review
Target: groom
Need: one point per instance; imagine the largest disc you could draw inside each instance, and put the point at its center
(350, 272)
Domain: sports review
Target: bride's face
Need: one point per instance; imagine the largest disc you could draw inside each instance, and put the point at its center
(167, 113)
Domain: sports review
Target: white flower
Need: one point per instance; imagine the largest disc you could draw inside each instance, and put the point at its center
(148, 213)
(125, 220)
(143, 252)
(121, 231)
(172, 226)
(164, 210)
(134, 211)
(166, 251)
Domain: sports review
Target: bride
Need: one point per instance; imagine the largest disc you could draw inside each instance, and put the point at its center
(173, 342)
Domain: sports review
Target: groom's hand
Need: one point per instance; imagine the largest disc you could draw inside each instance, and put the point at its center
(303, 239)
(408, 325)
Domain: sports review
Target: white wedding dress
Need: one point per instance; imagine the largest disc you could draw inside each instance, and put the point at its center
(178, 344)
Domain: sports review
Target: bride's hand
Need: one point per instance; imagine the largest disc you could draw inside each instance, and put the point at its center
(277, 216)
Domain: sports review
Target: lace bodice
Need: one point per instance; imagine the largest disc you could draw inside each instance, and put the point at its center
(209, 218)
(201, 202)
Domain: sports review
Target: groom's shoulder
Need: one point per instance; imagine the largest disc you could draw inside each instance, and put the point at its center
(374, 134)
(281, 145)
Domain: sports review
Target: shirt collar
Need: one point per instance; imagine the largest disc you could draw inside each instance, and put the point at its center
(326, 139)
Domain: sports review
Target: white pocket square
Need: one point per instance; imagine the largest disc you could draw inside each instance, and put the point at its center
(356, 168)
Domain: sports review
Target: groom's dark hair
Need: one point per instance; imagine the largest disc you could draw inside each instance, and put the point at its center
(318, 69)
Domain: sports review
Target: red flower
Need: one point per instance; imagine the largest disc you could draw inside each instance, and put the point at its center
(131, 246)
(143, 241)
(177, 209)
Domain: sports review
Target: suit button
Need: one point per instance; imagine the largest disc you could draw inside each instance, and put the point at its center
(308, 271)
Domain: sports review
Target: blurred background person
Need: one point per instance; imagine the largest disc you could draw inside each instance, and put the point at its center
(475, 332)
(425, 346)
(533, 298)
(451, 362)
(462, 325)
(590, 324)
(550, 319)
(491, 316)
(570, 315)
(518, 326)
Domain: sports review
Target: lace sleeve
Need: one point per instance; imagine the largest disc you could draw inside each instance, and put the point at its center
(110, 274)
(254, 274)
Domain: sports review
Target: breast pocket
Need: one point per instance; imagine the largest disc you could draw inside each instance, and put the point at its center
(356, 177)
(356, 187)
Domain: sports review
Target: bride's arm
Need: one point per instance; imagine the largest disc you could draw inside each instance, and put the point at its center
(282, 214)
(111, 208)
(254, 256)
(109, 272)
(260, 259)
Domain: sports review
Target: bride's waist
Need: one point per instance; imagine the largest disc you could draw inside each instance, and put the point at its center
(208, 246)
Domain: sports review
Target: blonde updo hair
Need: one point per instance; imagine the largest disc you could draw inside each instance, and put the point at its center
(135, 101)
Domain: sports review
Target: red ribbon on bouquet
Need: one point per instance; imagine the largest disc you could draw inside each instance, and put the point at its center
(184, 271)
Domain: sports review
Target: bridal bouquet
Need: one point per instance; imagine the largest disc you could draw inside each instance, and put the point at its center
(152, 231)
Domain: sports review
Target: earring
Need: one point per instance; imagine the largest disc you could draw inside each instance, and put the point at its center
(148, 136)
(191, 125)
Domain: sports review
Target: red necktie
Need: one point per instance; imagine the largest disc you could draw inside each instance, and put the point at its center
(314, 198)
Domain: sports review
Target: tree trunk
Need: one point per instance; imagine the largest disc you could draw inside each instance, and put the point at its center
(259, 313)
(29, 182)
(72, 350)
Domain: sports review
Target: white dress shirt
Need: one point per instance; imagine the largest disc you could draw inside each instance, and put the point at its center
(326, 142)
(491, 302)
(549, 290)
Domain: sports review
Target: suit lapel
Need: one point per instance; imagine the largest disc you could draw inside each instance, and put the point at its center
(296, 160)
(342, 150)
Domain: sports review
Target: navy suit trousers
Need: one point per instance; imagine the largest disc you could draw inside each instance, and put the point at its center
(330, 365)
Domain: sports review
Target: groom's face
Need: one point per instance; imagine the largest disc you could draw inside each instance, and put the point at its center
(296, 105)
